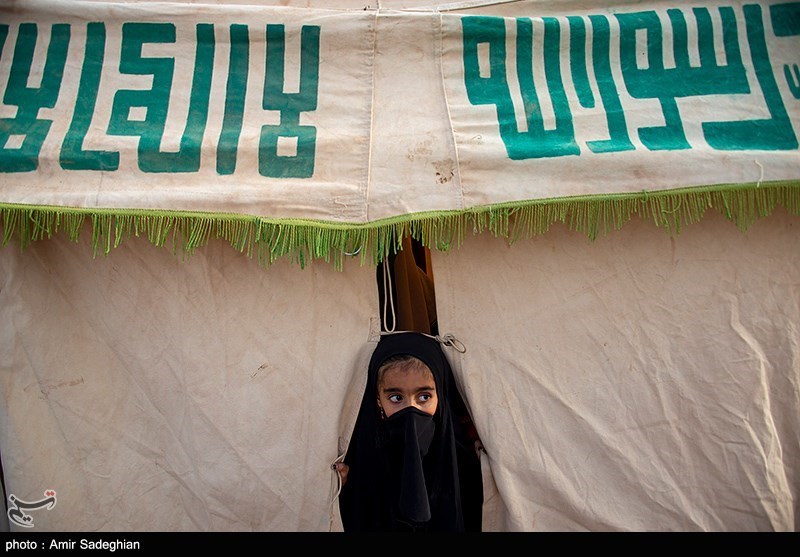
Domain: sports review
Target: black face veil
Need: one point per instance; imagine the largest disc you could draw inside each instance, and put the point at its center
(412, 471)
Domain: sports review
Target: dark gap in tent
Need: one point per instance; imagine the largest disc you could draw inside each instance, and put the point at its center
(412, 302)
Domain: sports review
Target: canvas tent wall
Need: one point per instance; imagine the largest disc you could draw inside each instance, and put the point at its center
(610, 195)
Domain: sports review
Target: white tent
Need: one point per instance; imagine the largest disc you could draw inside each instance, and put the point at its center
(202, 191)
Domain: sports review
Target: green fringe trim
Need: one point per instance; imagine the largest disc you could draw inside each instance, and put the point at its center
(305, 240)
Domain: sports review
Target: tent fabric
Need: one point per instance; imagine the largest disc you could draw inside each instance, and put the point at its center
(155, 394)
(641, 383)
(314, 132)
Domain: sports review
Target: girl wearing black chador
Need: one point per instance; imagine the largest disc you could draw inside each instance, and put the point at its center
(411, 464)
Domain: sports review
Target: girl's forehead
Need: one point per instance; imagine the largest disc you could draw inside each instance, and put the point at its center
(420, 370)
(408, 368)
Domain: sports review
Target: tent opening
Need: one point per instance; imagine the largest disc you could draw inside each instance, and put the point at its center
(407, 276)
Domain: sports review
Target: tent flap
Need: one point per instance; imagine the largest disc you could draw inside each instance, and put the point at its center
(642, 383)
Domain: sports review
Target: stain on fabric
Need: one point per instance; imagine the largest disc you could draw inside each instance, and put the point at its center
(445, 170)
(47, 387)
(262, 367)
(422, 148)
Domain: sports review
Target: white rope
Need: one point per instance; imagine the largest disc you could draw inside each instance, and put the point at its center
(339, 485)
(388, 295)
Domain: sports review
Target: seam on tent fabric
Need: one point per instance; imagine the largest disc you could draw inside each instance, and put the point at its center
(371, 112)
(642, 195)
(449, 115)
(304, 240)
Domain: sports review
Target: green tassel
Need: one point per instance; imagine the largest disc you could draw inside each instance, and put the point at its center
(305, 241)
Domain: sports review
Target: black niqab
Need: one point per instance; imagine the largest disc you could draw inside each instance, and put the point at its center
(412, 471)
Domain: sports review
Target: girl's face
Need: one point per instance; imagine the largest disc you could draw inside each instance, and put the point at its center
(403, 387)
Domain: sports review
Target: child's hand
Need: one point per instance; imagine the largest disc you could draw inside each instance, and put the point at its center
(342, 469)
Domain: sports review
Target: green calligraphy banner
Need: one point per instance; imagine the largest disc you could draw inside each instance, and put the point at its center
(317, 133)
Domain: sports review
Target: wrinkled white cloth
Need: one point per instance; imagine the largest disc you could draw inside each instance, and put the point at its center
(640, 382)
(156, 394)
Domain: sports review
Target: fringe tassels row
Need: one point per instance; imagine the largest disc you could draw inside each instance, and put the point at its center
(304, 241)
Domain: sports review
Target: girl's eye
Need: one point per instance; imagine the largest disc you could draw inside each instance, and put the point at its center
(395, 398)
(424, 397)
